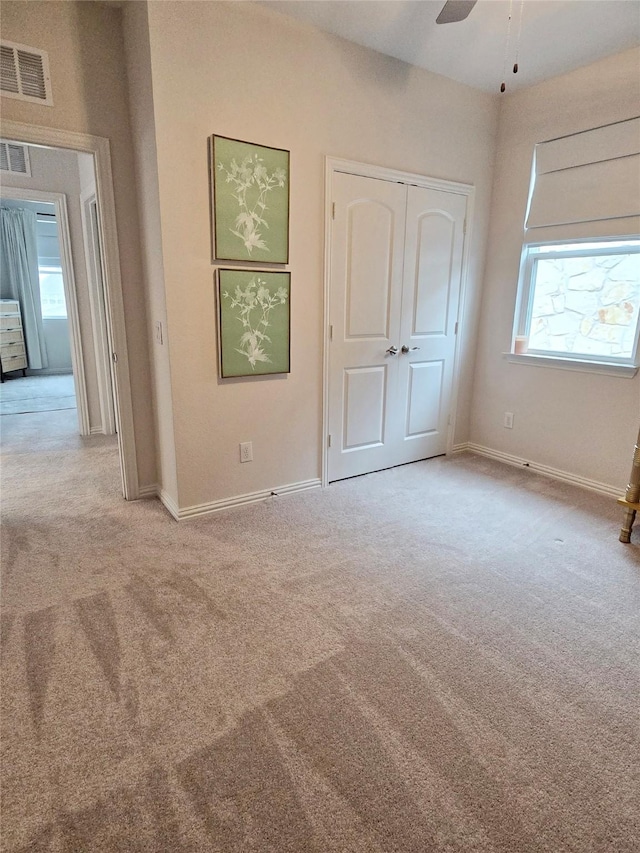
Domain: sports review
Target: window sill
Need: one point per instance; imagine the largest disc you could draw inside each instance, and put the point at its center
(626, 370)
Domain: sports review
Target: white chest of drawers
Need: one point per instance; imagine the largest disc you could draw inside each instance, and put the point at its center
(13, 354)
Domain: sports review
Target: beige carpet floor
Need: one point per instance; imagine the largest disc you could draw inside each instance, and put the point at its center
(36, 393)
(440, 657)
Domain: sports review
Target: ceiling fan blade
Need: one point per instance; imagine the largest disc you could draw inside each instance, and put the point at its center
(455, 10)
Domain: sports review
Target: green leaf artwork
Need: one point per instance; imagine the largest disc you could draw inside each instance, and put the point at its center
(250, 201)
(254, 322)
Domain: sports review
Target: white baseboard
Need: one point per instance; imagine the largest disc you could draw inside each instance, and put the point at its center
(145, 492)
(181, 514)
(545, 470)
(49, 371)
(459, 448)
(169, 504)
(99, 430)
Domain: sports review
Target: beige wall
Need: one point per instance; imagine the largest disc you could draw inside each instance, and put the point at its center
(578, 422)
(54, 170)
(86, 55)
(146, 164)
(244, 71)
(241, 70)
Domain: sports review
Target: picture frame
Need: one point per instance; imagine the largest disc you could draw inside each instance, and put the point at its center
(254, 322)
(249, 201)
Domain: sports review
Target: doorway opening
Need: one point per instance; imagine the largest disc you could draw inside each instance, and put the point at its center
(60, 307)
(26, 389)
(73, 317)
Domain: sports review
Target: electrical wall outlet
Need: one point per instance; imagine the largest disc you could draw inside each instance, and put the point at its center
(246, 451)
(508, 420)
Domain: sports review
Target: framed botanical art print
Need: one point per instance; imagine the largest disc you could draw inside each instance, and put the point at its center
(254, 322)
(250, 204)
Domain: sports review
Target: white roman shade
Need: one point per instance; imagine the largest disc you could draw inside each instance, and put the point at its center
(586, 185)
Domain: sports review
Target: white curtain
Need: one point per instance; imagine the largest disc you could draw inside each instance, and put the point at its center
(19, 277)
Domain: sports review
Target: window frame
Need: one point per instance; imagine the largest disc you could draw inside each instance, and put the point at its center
(525, 295)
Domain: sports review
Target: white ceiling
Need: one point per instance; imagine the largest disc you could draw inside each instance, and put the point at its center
(556, 35)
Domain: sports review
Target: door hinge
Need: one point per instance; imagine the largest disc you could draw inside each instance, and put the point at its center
(329, 440)
(333, 210)
(331, 332)
(464, 227)
(455, 329)
(114, 357)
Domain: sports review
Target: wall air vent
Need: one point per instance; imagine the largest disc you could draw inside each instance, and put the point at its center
(14, 158)
(24, 73)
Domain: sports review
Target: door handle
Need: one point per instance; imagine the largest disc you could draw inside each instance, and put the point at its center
(406, 349)
(393, 350)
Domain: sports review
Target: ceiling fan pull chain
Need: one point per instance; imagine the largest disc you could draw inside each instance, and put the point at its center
(503, 86)
(515, 64)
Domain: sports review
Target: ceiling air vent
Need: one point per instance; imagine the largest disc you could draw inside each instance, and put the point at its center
(25, 73)
(14, 158)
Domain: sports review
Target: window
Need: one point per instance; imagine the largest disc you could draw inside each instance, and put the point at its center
(52, 298)
(578, 302)
(581, 301)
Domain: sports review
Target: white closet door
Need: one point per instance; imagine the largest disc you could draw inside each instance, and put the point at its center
(396, 266)
(430, 301)
(366, 294)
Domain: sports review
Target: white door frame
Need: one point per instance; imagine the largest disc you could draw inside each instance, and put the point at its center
(99, 147)
(70, 293)
(366, 170)
(95, 282)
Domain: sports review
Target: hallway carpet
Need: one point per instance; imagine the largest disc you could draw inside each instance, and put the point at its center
(37, 393)
(440, 657)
